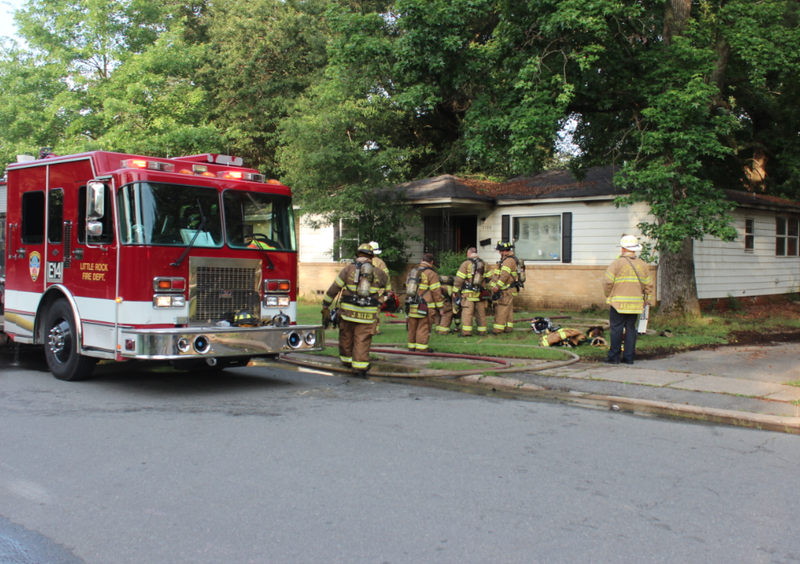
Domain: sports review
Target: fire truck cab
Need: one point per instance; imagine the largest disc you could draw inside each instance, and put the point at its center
(116, 256)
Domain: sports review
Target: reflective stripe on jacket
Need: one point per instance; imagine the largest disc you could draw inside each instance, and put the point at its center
(346, 284)
(621, 285)
(505, 274)
(430, 290)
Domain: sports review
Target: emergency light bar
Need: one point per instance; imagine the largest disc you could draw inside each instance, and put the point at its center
(241, 175)
(150, 165)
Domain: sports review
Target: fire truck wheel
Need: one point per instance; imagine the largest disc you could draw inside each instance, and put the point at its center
(60, 343)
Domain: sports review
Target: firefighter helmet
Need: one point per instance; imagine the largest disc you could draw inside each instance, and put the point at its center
(630, 242)
(244, 318)
(540, 324)
(376, 248)
(365, 249)
(504, 246)
(281, 320)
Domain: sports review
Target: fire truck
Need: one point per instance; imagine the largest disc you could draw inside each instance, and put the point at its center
(114, 256)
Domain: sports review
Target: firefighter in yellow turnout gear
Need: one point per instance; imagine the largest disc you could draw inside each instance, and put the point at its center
(423, 305)
(504, 285)
(379, 264)
(471, 276)
(627, 285)
(446, 317)
(360, 284)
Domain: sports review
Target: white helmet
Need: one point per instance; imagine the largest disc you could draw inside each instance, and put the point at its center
(630, 242)
(376, 248)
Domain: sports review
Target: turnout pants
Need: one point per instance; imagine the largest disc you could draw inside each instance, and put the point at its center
(355, 340)
(445, 320)
(419, 332)
(473, 311)
(504, 314)
(623, 327)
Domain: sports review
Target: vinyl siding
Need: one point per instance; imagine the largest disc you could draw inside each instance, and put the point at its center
(724, 269)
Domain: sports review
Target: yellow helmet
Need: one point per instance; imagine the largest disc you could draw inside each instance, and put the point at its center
(365, 249)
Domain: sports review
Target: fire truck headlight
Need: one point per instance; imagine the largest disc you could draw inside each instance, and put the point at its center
(166, 300)
(276, 301)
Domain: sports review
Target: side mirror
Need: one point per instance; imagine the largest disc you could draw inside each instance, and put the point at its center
(95, 201)
(94, 228)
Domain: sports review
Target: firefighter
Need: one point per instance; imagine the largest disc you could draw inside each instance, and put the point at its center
(360, 285)
(468, 286)
(504, 286)
(386, 291)
(627, 285)
(423, 306)
(445, 318)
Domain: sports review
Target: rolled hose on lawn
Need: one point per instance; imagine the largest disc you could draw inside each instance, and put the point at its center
(532, 367)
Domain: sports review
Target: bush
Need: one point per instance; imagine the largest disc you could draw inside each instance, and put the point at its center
(448, 262)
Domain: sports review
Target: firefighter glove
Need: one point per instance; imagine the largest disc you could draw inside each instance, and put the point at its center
(326, 317)
(496, 296)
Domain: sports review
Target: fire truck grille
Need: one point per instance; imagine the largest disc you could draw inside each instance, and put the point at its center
(221, 291)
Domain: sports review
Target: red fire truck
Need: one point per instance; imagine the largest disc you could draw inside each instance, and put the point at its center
(114, 256)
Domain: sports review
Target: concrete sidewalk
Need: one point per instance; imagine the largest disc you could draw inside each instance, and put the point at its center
(748, 385)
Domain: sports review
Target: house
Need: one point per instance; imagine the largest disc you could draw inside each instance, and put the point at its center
(567, 231)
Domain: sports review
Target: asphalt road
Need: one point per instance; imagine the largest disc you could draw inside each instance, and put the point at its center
(262, 465)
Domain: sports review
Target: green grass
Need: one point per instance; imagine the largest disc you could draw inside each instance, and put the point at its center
(709, 330)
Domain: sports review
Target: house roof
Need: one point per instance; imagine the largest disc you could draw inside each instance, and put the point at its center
(750, 199)
(550, 184)
(553, 184)
(445, 187)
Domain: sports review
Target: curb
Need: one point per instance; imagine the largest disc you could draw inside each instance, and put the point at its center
(760, 421)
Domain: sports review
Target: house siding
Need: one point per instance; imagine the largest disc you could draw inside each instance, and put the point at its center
(722, 268)
(726, 269)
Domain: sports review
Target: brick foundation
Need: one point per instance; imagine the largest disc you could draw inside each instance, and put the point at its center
(548, 286)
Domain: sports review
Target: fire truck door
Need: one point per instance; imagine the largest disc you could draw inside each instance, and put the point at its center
(53, 261)
(92, 269)
(24, 271)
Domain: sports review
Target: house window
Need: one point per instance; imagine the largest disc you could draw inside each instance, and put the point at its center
(345, 239)
(749, 234)
(538, 238)
(787, 229)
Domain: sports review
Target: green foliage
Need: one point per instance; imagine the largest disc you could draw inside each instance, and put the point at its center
(448, 262)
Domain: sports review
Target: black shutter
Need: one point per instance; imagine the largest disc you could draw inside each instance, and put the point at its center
(505, 226)
(566, 237)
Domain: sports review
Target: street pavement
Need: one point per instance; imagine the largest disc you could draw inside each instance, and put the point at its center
(749, 386)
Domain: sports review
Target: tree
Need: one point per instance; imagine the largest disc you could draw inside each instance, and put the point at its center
(686, 96)
(261, 56)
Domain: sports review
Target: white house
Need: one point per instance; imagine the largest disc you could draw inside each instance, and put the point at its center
(567, 232)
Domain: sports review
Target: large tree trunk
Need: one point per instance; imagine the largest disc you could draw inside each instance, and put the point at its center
(678, 284)
(676, 270)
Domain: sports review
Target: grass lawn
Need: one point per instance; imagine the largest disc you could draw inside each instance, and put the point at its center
(746, 324)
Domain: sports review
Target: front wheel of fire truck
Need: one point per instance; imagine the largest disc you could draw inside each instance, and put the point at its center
(60, 345)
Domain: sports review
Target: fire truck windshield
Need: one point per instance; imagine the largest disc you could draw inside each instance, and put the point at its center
(151, 213)
(259, 221)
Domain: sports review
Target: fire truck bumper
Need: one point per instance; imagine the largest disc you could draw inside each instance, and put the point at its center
(212, 342)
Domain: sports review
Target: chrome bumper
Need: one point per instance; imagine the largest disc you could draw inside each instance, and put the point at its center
(210, 342)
